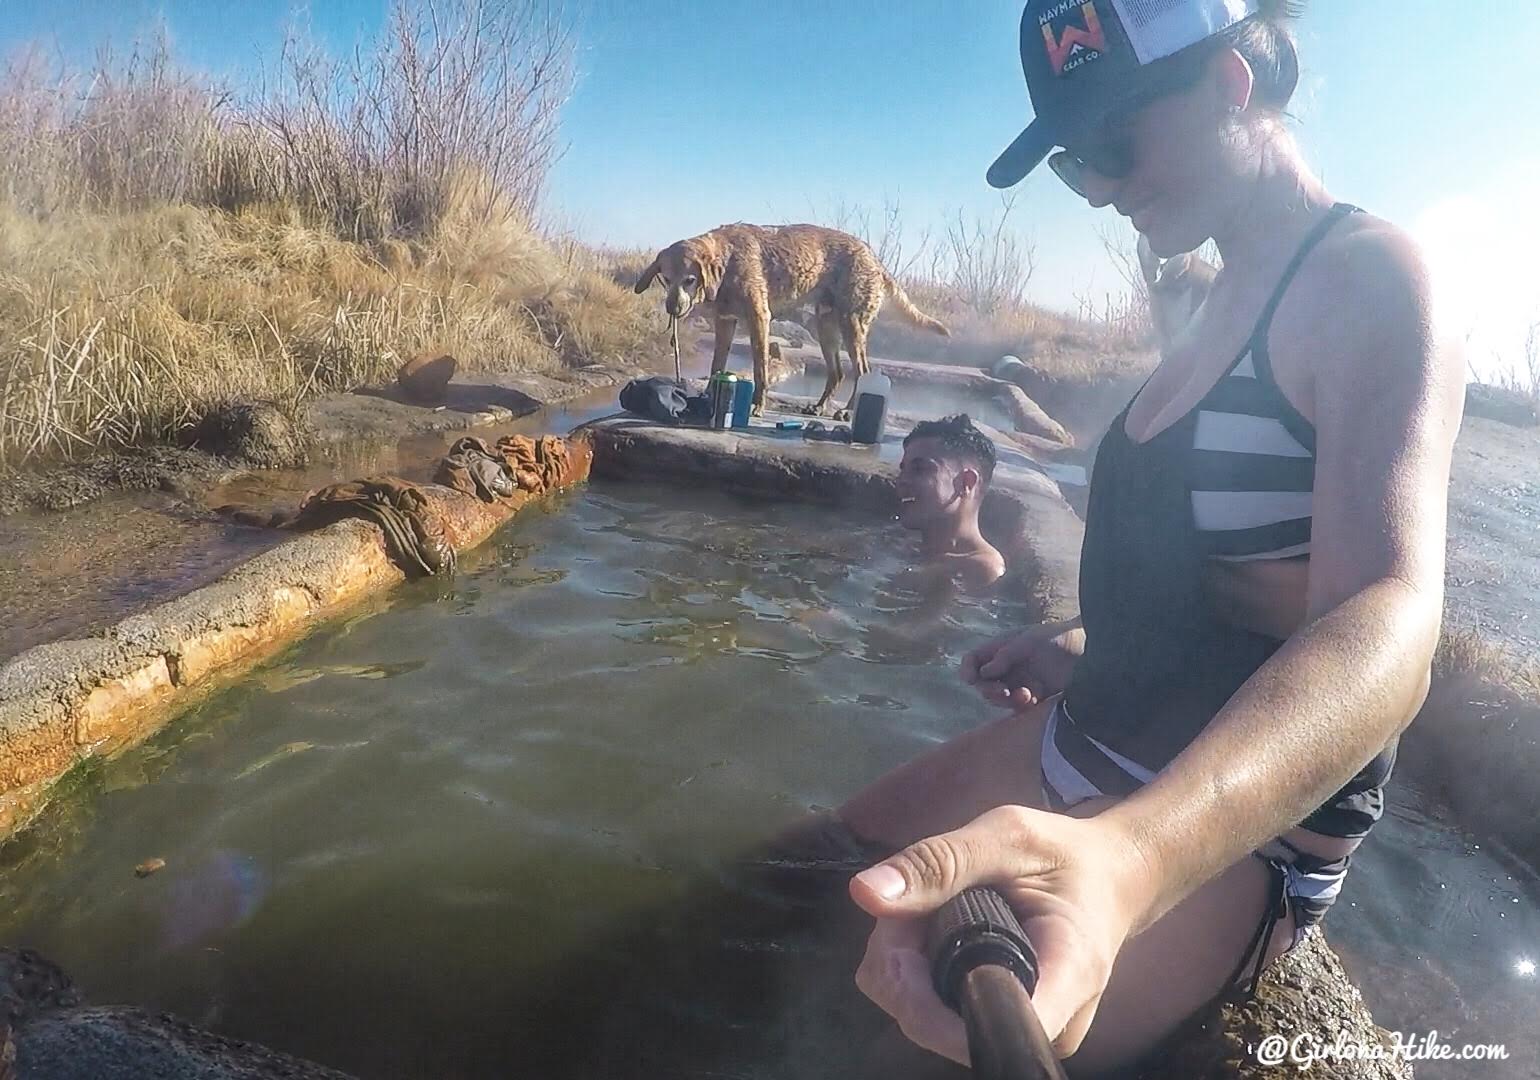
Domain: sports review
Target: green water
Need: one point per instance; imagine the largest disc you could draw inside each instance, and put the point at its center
(495, 827)
(484, 829)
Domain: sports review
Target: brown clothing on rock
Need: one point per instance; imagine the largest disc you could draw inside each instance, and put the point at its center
(414, 539)
(476, 469)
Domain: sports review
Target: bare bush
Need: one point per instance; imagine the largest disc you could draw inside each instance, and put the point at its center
(887, 237)
(130, 131)
(1525, 377)
(988, 264)
(455, 109)
(170, 244)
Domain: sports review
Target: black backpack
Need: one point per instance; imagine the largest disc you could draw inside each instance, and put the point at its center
(664, 400)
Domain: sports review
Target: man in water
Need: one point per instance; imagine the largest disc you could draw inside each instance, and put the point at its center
(942, 478)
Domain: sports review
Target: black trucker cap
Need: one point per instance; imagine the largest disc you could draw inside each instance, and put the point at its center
(1083, 57)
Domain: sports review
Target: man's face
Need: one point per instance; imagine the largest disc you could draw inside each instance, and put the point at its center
(930, 484)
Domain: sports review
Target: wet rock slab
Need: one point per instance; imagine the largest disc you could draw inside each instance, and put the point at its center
(1306, 1007)
(51, 1035)
(1029, 417)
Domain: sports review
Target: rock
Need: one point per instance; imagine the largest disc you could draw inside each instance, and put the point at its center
(54, 1037)
(258, 433)
(1306, 992)
(794, 333)
(1030, 418)
(1501, 404)
(119, 1043)
(31, 984)
(425, 377)
(1009, 368)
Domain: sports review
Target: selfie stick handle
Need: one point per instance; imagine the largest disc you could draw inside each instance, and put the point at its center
(984, 968)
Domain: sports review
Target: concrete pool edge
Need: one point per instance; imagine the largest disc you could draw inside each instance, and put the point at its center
(64, 702)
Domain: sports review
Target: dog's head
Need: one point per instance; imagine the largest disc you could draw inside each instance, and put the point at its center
(691, 273)
(1177, 287)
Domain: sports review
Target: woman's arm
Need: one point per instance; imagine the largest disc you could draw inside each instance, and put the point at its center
(1387, 409)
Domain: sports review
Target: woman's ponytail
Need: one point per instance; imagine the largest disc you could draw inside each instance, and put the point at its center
(1264, 40)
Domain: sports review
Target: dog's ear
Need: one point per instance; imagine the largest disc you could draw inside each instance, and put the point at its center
(710, 275)
(1149, 263)
(647, 275)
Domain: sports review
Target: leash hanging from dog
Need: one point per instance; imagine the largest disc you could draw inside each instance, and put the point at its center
(673, 333)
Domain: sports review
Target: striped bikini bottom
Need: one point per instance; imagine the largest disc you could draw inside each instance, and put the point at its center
(1077, 766)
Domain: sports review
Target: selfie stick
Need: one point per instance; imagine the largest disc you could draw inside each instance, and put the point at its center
(984, 968)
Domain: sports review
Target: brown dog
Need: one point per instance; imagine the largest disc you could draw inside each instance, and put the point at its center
(1177, 288)
(749, 272)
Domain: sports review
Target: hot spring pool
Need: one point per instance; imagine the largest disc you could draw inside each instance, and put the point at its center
(465, 832)
(385, 849)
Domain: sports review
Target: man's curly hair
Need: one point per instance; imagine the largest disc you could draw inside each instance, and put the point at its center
(959, 437)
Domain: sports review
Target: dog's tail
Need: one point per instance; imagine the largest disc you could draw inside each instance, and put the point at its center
(907, 309)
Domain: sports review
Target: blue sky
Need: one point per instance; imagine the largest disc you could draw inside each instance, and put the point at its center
(688, 114)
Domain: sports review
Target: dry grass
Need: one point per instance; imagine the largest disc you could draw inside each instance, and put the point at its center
(1466, 654)
(125, 327)
(169, 246)
(976, 276)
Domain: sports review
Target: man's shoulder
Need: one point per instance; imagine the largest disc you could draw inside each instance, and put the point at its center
(980, 569)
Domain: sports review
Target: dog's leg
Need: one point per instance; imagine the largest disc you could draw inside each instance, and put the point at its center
(759, 344)
(829, 341)
(726, 327)
(855, 344)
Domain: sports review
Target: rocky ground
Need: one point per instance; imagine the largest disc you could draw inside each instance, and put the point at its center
(1493, 573)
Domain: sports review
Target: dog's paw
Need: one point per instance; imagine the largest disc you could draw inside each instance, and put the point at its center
(812, 410)
(757, 409)
(842, 415)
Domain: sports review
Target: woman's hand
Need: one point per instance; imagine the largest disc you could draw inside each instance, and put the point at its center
(1026, 667)
(1077, 886)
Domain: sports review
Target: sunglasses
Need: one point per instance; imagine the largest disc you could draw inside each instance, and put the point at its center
(1112, 152)
(1113, 160)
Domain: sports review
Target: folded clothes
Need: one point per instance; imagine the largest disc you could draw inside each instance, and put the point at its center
(473, 467)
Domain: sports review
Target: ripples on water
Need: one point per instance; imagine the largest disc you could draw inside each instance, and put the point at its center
(397, 847)
(1442, 932)
(482, 829)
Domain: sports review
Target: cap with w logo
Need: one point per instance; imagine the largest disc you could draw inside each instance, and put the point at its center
(1082, 57)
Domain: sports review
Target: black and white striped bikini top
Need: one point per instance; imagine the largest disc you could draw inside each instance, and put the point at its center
(1251, 470)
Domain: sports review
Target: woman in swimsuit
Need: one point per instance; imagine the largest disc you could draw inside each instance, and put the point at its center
(1189, 764)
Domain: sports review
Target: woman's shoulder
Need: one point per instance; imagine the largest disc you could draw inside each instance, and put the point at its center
(1365, 294)
(1357, 338)
(1368, 252)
